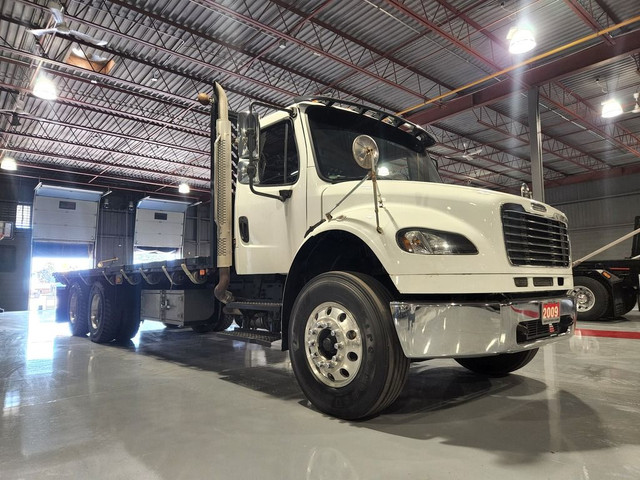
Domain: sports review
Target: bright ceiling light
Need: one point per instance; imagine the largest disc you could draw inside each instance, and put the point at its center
(184, 188)
(611, 108)
(9, 163)
(45, 88)
(521, 39)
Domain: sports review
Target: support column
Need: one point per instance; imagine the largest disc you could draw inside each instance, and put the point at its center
(535, 143)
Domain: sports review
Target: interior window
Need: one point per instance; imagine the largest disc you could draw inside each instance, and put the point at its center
(279, 163)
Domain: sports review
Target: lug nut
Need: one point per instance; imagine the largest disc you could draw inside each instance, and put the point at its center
(311, 343)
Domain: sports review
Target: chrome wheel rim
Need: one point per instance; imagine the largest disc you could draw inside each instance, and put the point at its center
(585, 299)
(333, 345)
(95, 312)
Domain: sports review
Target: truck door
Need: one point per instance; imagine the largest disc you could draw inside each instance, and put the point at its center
(268, 231)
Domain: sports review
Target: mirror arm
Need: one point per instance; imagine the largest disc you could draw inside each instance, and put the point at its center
(284, 194)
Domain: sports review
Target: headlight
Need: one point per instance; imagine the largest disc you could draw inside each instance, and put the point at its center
(434, 242)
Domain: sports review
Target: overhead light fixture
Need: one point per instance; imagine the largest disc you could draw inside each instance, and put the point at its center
(611, 108)
(183, 188)
(15, 120)
(45, 88)
(9, 163)
(636, 107)
(521, 39)
(282, 43)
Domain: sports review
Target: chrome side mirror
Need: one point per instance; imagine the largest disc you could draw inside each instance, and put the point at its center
(248, 136)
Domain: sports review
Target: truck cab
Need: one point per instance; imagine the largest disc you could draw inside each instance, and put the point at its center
(472, 274)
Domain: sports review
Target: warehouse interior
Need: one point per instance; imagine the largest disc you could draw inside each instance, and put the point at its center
(98, 104)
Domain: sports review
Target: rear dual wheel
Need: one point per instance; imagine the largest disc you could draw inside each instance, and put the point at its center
(77, 308)
(344, 350)
(103, 322)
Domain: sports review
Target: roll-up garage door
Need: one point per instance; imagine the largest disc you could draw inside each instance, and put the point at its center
(63, 215)
(159, 223)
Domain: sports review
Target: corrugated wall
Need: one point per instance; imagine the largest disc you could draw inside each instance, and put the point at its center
(116, 228)
(599, 212)
(14, 281)
(197, 232)
(115, 236)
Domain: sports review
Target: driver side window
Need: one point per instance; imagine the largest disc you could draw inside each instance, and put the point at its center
(279, 163)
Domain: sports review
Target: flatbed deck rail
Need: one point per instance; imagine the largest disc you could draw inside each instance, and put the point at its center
(182, 272)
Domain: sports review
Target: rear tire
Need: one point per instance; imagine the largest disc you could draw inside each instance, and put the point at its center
(591, 297)
(103, 321)
(498, 365)
(78, 310)
(128, 301)
(344, 350)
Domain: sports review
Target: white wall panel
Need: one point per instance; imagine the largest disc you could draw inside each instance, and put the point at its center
(63, 220)
(599, 212)
(156, 228)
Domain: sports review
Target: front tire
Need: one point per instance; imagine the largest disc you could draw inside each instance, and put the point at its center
(344, 350)
(592, 298)
(498, 365)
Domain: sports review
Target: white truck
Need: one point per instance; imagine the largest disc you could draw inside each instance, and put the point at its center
(341, 239)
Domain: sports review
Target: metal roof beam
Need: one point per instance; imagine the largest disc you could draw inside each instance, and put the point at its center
(109, 133)
(387, 55)
(513, 129)
(589, 18)
(82, 160)
(564, 100)
(154, 160)
(66, 173)
(110, 111)
(591, 57)
(316, 50)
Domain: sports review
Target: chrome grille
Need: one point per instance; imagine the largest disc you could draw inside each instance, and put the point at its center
(534, 240)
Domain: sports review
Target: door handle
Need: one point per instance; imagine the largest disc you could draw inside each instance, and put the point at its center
(243, 226)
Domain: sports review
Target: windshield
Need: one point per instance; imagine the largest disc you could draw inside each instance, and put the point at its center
(403, 156)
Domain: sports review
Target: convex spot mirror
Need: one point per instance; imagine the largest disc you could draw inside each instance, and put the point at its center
(248, 136)
(365, 152)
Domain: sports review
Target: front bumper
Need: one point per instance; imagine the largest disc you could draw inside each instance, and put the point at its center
(476, 329)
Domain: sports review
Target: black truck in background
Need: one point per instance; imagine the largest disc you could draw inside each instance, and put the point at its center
(608, 288)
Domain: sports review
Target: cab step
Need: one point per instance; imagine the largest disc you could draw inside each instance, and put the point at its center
(231, 307)
(261, 337)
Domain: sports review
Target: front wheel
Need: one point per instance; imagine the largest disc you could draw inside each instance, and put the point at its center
(344, 350)
(592, 299)
(498, 365)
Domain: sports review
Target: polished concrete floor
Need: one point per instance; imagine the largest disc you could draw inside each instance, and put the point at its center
(173, 404)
